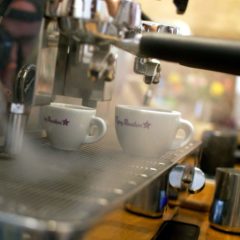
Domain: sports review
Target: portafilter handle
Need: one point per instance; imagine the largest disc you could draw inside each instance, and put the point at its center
(204, 53)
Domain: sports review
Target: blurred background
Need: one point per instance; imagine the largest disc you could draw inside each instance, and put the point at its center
(215, 18)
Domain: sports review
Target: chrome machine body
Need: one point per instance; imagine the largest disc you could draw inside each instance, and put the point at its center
(76, 59)
(75, 43)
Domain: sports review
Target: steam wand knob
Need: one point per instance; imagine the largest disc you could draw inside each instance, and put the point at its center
(187, 177)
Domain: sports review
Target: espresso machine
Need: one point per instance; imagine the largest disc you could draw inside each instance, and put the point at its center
(47, 194)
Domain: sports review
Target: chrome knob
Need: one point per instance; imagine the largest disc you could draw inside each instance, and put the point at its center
(128, 15)
(187, 177)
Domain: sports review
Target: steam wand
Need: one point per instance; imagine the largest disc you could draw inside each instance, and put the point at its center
(22, 99)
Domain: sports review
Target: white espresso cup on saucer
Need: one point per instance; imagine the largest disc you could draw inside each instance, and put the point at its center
(149, 132)
(68, 126)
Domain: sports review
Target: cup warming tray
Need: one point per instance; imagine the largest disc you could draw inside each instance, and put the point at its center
(48, 190)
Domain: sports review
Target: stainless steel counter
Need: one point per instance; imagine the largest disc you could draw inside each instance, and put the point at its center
(63, 193)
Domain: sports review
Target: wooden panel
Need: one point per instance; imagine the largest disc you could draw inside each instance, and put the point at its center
(121, 225)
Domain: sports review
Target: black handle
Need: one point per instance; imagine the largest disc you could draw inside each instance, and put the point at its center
(211, 54)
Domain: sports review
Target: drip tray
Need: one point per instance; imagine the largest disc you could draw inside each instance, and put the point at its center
(45, 189)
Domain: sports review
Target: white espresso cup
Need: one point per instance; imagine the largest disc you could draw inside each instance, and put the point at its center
(68, 126)
(149, 132)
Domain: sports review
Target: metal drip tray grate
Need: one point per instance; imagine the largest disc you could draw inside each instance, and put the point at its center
(72, 189)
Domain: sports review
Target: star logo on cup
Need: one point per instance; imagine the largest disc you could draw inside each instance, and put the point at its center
(65, 122)
(146, 124)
